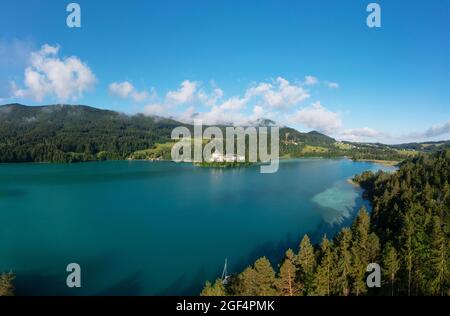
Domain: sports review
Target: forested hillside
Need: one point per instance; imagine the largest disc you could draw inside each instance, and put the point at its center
(74, 133)
(407, 233)
(411, 211)
(64, 133)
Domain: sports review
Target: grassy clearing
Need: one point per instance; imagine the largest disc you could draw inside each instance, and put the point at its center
(158, 152)
(308, 149)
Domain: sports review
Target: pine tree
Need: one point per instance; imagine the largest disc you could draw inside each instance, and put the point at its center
(344, 261)
(286, 283)
(307, 262)
(391, 265)
(360, 251)
(408, 251)
(373, 247)
(264, 277)
(360, 229)
(245, 283)
(322, 283)
(439, 261)
(421, 249)
(216, 289)
(358, 272)
(6, 284)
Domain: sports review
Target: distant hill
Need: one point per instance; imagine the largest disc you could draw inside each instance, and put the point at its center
(71, 133)
(66, 133)
(425, 146)
(311, 138)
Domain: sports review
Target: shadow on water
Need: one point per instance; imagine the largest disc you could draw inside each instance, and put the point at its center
(185, 285)
(8, 193)
(130, 286)
(272, 251)
(275, 252)
(39, 283)
(53, 282)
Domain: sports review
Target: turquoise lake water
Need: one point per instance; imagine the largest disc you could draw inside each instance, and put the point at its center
(160, 228)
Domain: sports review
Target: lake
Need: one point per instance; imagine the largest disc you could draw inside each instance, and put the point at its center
(160, 228)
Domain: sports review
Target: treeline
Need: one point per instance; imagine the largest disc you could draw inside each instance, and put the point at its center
(411, 211)
(74, 133)
(407, 233)
(64, 133)
(379, 153)
(353, 151)
(335, 267)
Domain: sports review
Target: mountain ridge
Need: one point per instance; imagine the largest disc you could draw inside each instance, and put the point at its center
(71, 133)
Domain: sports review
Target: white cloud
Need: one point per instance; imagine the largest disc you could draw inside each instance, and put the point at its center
(184, 94)
(121, 89)
(438, 130)
(167, 107)
(219, 115)
(317, 117)
(361, 134)
(187, 115)
(311, 80)
(212, 98)
(332, 85)
(275, 99)
(126, 90)
(140, 96)
(48, 75)
(367, 134)
(156, 109)
(281, 94)
(221, 110)
(234, 103)
(259, 90)
(258, 111)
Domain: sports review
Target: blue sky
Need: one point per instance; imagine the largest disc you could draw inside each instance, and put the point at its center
(308, 64)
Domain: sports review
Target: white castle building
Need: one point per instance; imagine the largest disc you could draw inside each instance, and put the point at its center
(218, 157)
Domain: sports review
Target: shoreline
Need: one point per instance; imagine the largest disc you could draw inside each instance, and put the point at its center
(387, 163)
(353, 183)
